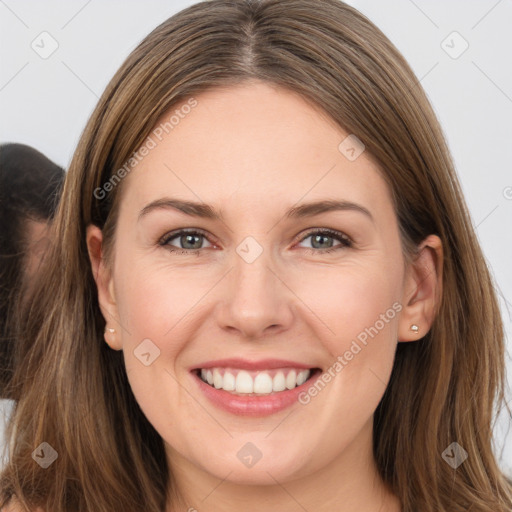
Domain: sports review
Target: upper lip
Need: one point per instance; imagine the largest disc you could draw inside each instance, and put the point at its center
(245, 364)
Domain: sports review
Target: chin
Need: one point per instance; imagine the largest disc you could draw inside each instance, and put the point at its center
(272, 466)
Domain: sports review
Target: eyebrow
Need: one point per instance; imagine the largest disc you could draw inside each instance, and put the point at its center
(206, 211)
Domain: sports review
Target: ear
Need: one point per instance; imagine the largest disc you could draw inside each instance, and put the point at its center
(105, 285)
(422, 290)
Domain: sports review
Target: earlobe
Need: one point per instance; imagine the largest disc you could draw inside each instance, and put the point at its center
(112, 338)
(422, 290)
(105, 285)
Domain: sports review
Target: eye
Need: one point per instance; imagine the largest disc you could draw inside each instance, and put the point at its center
(321, 240)
(189, 241)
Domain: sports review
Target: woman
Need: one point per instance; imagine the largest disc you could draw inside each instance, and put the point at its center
(317, 344)
(30, 186)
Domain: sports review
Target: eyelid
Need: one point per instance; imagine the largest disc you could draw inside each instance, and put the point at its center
(345, 240)
(331, 232)
(174, 234)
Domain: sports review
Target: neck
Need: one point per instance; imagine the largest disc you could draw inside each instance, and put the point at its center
(349, 482)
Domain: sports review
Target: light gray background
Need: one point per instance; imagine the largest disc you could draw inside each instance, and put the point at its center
(46, 102)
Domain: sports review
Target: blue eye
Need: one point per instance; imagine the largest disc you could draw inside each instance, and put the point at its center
(191, 241)
(320, 240)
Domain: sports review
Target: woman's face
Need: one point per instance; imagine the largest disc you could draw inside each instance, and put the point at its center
(264, 293)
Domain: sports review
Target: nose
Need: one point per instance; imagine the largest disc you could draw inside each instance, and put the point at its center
(257, 301)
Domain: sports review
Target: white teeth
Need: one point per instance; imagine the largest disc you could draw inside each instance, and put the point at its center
(229, 382)
(263, 383)
(291, 379)
(244, 383)
(279, 382)
(302, 377)
(258, 382)
(218, 381)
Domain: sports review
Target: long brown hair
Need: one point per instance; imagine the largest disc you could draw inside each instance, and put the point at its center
(72, 388)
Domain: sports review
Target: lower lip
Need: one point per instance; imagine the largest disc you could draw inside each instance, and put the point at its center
(264, 405)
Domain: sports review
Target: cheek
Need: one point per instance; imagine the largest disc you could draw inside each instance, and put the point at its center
(354, 303)
(148, 307)
(155, 311)
(159, 303)
(154, 301)
(358, 311)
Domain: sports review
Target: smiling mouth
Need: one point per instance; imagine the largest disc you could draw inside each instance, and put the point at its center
(255, 383)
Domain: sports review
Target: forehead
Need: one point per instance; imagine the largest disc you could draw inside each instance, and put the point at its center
(252, 146)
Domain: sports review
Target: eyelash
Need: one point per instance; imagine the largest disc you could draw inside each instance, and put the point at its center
(346, 242)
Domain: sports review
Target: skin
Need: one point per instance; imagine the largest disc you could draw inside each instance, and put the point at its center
(253, 151)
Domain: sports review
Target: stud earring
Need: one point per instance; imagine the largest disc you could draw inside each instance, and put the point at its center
(110, 330)
(415, 328)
